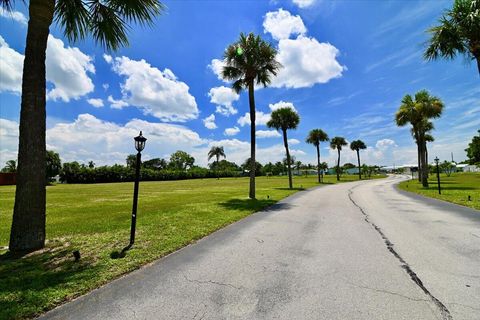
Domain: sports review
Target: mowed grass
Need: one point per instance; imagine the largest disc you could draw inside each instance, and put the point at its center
(95, 219)
(455, 188)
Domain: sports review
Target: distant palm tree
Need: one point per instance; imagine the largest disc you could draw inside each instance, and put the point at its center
(11, 166)
(357, 145)
(417, 111)
(284, 119)
(108, 23)
(91, 164)
(338, 143)
(250, 61)
(457, 33)
(298, 166)
(216, 152)
(316, 136)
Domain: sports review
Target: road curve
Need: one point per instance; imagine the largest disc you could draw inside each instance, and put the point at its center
(359, 250)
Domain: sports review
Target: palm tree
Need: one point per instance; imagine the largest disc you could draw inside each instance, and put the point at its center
(338, 143)
(216, 152)
(428, 138)
(107, 22)
(11, 166)
(284, 119)
(457, 33)
(416, 111)
(250, 61)
(357, 145)
(316, 136)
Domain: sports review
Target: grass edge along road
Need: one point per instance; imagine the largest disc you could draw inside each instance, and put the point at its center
(455, 188)
(95, 219)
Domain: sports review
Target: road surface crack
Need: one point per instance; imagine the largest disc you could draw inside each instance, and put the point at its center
(443, 309)
(211, 282)
(388, 292)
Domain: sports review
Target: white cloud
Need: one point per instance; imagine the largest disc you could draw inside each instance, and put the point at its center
(293, 141)
(281, 24)
(267, 134)
(209, 122)
(105, 86)
(306, 62)
(11, 68)
(67, 69)
(260, 119)
(231, 131)
(116, 104)
(97, 103)
(281, 104)
(158, 93)
(14, 15)
(217, 66)
(304, 3)
(108, 58)
(385, 143)
(8, 141)
(223, 98)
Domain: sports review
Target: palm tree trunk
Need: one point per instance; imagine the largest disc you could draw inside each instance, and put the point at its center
(338, 166)
(419, 152)
(28, 224)
(424, 165)
(318, 164)
(218, 159)
(426, 161)
(251, 100)
(285, 143)
(358, 158)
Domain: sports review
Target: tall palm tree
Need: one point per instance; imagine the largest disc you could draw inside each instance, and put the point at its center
(417, 111)
(250, 61)
(285, 119)
(338, 143)
(107, 22)
(357, 145)
(457, 33)
(216, 152)
(316, 136)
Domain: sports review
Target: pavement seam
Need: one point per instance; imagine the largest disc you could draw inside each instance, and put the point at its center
(443, 309)
(212, 282)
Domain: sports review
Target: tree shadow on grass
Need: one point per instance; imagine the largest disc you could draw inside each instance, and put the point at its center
(34, 283)
(247, 204)
(296, 189)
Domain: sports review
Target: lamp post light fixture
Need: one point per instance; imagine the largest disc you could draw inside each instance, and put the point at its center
(438, 175)
(139, 145)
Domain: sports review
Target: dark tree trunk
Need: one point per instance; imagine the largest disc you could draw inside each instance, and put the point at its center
(338, 166)
(359, 172)
(426, 161)
(419, 152)
(28, 225)
(285, 143)
(218, 162)
(424, 165)
(318, 164)
(251, 100)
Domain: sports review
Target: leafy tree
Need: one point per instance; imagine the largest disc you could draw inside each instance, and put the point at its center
(357, 145)
(473, 150)
(155, 164)
(250, 61)
(247, 166)
(180, 160)
(54, 165)
(91, 164)
(337, 143)
(131, 160)
(298, 166)
(417, 111)
(107, 22)
(224, 165)
(285, 119)
(316, 136)
(10, 166)
(447, 167)
(348, 165)
(458, 32)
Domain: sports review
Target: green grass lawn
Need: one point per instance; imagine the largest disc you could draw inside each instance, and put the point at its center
(95, 219)
(455, 188)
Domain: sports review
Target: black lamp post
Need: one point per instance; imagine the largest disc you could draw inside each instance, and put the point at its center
(139, 145)
(438, 175)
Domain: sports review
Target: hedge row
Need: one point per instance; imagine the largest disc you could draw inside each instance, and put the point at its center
(119, 173)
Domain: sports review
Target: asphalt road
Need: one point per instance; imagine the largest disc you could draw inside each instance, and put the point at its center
(358, 250)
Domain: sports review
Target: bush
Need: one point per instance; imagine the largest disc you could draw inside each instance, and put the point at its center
(73, 172)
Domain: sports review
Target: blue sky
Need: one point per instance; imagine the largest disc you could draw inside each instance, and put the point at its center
(347, 65)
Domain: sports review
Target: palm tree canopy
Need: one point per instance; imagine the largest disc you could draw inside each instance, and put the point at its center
(216, 152)
(416, 110)
(458, 32)
(357, 145)
(316, 136)
(250, 60)
(284, 119)
(107, 21)
(338, 143)
(429, 138)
